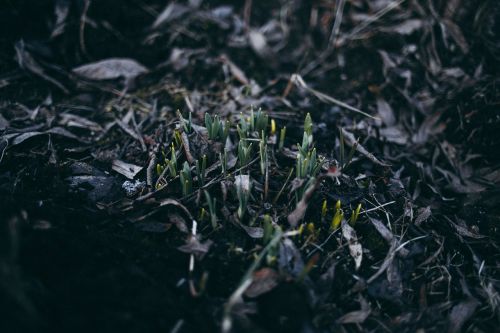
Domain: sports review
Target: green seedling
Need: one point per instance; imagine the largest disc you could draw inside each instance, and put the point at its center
(263, 153)
(282, 138)
(186, 179)
(308, 124)
(216, 128)
(355, 215)
(172, 162)
(324, 209)
(177, 138)
(260, 121)
(211, 208)
(244, 152)
(223, 161)
(337, 218)
(203, 213)
(268, 229)
(256, 122)
(308, 165)
(201, 170)
(159, 169)
(187, 125)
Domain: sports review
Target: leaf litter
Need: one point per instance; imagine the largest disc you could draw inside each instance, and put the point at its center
(102, 114)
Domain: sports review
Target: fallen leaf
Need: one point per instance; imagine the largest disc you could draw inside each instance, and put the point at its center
(111, 69)
(460, 313)
(423, 215)
(263, 281)
(126, 169)
(170, 13)
(385, 112)
(355, 248)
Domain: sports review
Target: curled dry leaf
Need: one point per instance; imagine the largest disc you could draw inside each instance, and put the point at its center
(126, 169)
(355, 248)
(423, 215)
(55, 130)
(170, 13)
(254, 232)
(382, 230)
(194, 246)
(460, 313)
(263, 281)
(111, 69)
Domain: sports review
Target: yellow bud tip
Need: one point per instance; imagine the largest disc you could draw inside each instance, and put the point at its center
(310, 228)
(337, 205)
(324, 208)
(273, 126)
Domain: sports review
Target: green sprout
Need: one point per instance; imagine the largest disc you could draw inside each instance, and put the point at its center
(268, 229)
(201, 170)
(337, 218)
(308, 165)
(187, 125)
(263, 153)
(177, 138)
(308, 124)
(273, 127)
(260, 121)
(324, 209)
(211, 208)
(255, 122)
(172, 162)
(355, 215)
(244, 152)
(282, 138)
(186, 179)
(159, 169)
(216, 128)
(223, 161)
(308, 162)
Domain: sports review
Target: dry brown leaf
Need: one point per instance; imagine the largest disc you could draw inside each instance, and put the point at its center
(355, 248)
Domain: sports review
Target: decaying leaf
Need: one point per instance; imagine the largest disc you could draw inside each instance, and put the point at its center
(111, 69)
(194, 246)
(355, 248)
(460, 313)
(423, 215)
(382, 230)
(171, 12)
(126, 169)
(263, 281)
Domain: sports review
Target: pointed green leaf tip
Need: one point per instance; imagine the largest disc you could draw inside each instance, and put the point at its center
(308, 124)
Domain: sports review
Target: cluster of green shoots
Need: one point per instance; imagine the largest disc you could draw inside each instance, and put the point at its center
(308, 163)
(253, 130)
(338, 215)
(216, 128)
